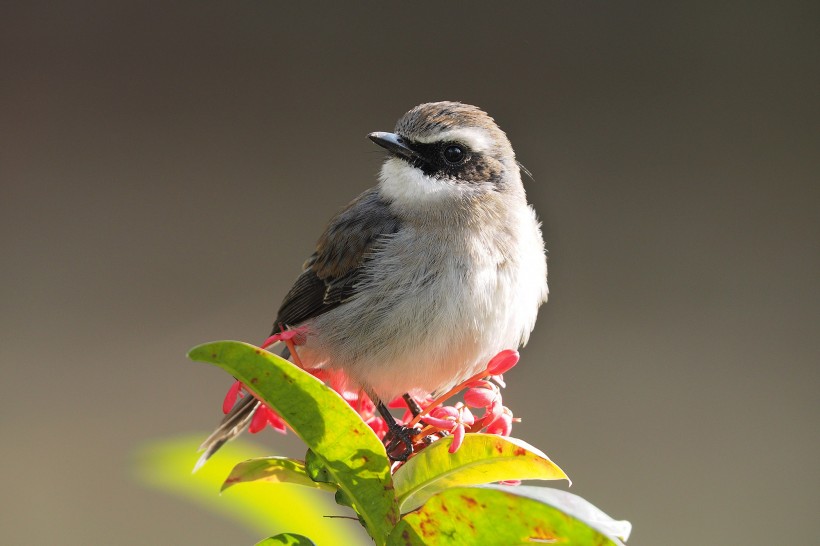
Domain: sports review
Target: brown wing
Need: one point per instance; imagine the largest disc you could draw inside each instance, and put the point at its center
(331, 274)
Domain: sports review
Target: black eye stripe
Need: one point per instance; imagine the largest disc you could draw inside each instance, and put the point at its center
(434, 150)
(473, 166)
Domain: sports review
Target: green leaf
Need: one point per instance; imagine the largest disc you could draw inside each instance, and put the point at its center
(275, 470)
(262, 508)
(287, 539)
(482, 458)
(316, 469)
(350, 450)
(500, 515)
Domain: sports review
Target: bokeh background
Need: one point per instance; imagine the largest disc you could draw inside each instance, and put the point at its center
(166, 168)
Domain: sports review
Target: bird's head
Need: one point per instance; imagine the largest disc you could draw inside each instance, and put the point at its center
(446, 153)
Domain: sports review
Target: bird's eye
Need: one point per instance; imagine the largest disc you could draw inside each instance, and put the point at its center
(453, 153)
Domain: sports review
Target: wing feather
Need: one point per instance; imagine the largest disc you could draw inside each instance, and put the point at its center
(332, 273)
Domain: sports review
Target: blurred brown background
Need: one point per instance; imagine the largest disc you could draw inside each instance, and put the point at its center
(166, 168)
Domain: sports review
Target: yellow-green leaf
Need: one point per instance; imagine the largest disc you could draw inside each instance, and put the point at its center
(482, 458)
(351, 451)
(495, 516)
(274, 470)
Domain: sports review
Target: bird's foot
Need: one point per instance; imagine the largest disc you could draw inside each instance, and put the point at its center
(399, 442)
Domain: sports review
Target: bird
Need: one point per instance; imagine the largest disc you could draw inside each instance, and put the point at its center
(423, 278)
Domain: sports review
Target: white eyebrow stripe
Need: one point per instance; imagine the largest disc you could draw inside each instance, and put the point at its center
(475, 138)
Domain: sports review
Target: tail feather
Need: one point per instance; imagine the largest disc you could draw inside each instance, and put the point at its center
(231, 426)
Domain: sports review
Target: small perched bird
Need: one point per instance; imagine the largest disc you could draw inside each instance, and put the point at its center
(423, 278)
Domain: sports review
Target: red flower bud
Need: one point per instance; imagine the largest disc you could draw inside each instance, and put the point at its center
(231, 396)
(277, 423)
(479, 397)
(259, 420)
(502, 362)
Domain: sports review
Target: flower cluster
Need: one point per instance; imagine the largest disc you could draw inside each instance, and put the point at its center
(263, 415)
(482, 392)
(432, 417)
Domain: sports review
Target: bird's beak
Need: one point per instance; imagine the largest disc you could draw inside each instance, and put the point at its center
(395, 145)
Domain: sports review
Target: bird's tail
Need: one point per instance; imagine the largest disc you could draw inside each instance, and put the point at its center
(231, 426)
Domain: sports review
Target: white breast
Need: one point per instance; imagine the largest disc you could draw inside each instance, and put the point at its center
(435, 307)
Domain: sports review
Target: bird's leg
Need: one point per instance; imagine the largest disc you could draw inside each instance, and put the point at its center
(415, 409)
(399, 434)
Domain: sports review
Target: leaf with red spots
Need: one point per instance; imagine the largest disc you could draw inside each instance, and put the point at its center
(273, 470)
(467, 516)
(482, 458)
(352, 453)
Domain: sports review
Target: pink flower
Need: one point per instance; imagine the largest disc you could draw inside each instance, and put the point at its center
(502, 425)
(456, 419)
(442, 417)
(262, 416)
(265, 416)
(452, 419)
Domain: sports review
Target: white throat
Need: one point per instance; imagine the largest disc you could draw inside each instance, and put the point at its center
(409, 187)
